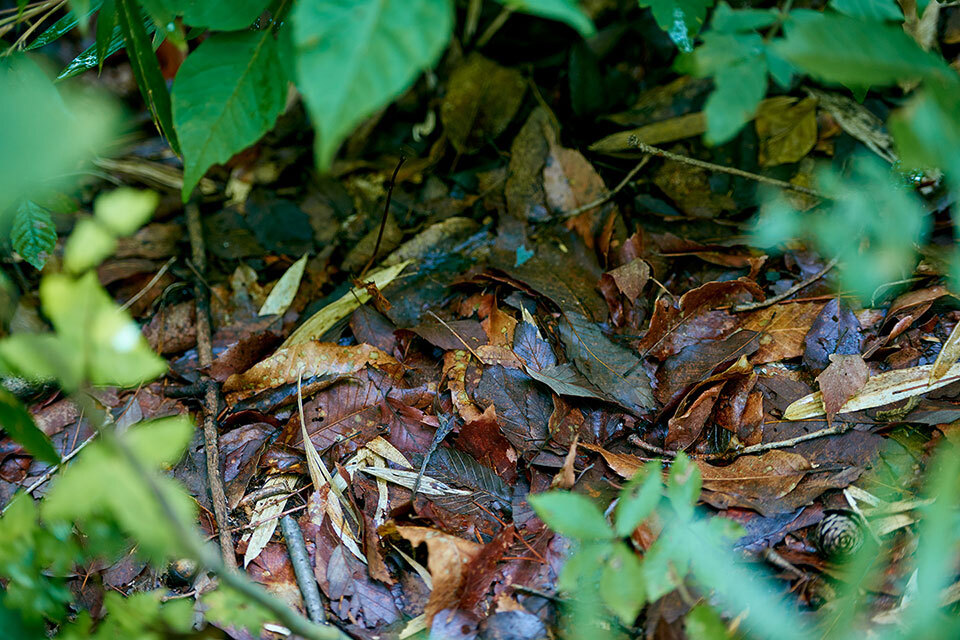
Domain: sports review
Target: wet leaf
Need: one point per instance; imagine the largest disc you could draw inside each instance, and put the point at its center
(482, 98)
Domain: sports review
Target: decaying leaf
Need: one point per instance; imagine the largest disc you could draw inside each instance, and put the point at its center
(787, 129)
(840, 381)
(754, 482)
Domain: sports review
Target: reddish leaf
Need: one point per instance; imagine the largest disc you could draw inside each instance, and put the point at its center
(840, 381)
(683, 430)
(697, 362)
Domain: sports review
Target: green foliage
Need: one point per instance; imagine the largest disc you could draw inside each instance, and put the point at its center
(681, 19)
(226, 606)
(223, 16)
(354, 56)
(19, 425)
(227, 94)
(868, 9)
(33, 234)
(869, 207)
(567, 11)
(140, 615)
(572, 515)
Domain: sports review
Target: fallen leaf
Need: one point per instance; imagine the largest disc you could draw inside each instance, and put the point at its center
(683, 430)
(696, 362)
(784, 327)
(284, 291)
(835, 330)
(754, 482)
(787, 129)
(948, 356)
(630, 278)
(840, 381)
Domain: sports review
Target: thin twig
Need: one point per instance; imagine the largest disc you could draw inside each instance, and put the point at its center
(302, 569)
(212, 392)
(49, 472)
(493, 27)
(149, 285)
(383, 221)
(638, 441)
(634, 141)
(607, 196)
(789, 292)
(780, 444)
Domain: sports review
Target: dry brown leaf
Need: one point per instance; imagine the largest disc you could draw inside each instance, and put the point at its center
(684, 429)
(630, 278)
(625, 465)
(784, 327)
(309, 359)
(754, 482)
(840, 381)
(787, 129)
(948, 356)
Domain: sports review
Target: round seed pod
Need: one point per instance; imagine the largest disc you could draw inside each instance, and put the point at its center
(840, 534)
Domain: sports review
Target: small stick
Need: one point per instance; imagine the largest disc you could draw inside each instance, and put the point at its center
(789, 292)
(383, 221)
(604, 198)
(303, 569)
(709, 166)
(211, 391)
(780, 444)
(638, 441)
(49, 472)
(149, 285)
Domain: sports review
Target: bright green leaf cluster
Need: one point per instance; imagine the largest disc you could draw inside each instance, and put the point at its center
(681, 19)
(118, 213)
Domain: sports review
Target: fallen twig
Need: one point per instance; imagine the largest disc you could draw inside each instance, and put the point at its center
(709, 166)
(789, 292)
(610, 194)
(302, 568)
(211, 390)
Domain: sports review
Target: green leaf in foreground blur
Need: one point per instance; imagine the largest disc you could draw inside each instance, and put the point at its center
(355, 56)
(681, 19)
(567, 11)
(17, 423)
(33, 234)
(571, 514)
(226, 95)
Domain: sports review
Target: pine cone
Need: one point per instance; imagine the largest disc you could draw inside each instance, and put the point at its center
(839, 535)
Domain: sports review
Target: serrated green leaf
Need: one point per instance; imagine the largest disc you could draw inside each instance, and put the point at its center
(681, 19)
(218, 15)
(16, 421)
(33, 234)
(567, 11)
(638, 498)
(125, 210)
(354, 56)
(622, 584)
(100, 482)
(226, 95)
(87, 321)
(854, 52)
(146, 68)
(739, 90)
(869, 9)
(88, 245)
(571, 514)
(106, 26)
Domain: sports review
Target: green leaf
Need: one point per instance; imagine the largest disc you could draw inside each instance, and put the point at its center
(354, 56)
(855, 52)
(638, 499)
(61, 27)
(622, 584)
(927, 129)
(89, 322)
(681, 19)
(33, 234)
(228, 607)
(571, 514)
(90, 58)
(106, 26)
(683, 486)
(719, 51)
(125, 210)
(100, 482)
(584, 567)
(144, 615)
(665, 564)
(567, 11)
(42, 356)
(226, 95)
(83, 10)
(146, 68)
(727, 20)
(88, 245)
(217, 15)
(869, 9)
(18, 424)
(703, 623)
(739, 90)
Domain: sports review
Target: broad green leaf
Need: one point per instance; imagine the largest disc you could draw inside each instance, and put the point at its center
(46, 136)
(718, 52)
(100, 482)
(703, 623)
(665, 565)
(89, 244)
(869, 9)
(681, 19)
(227, 607)
(854, 52)
(622, 584)
(144, 615)
(727, 20)
(683, 486)
(125, 210)
(146, 68)
(354, 56)
(739, 90)
(927, 130)
(61, 27)
(42, 356)
(226, 95)
(18, 424)
(567, 11)
(106, 26)
(571, 514)
(638, 499)
(88, 321)
(216, 14)
(33, 234)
